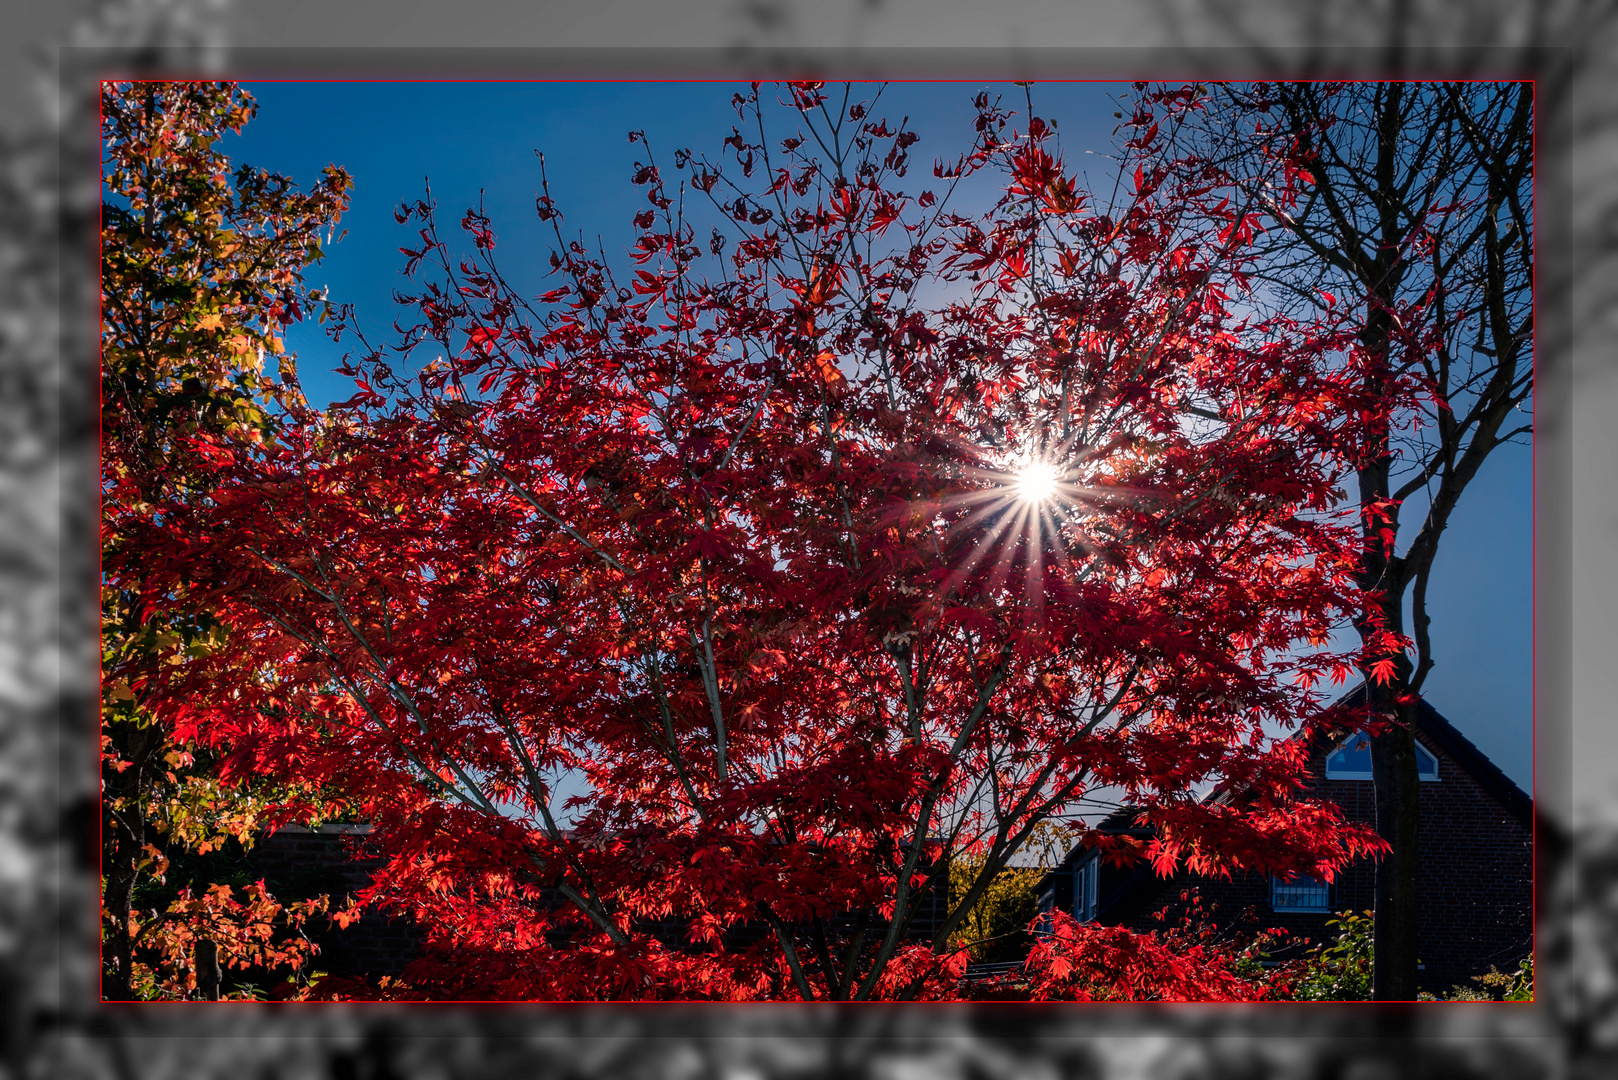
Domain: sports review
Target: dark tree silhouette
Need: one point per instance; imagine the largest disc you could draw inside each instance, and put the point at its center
(1417, 230)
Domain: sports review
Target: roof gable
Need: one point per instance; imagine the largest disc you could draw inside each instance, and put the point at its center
(1459, 749)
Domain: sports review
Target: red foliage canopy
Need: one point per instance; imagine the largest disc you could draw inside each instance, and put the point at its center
(744, 550)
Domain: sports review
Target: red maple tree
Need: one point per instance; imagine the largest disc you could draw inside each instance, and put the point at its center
(860, 532)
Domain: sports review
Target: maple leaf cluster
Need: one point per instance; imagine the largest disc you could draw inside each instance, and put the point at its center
(248, 933)
(1075, 961)
(735, 543)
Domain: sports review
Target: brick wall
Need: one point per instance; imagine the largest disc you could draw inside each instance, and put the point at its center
(331, 859)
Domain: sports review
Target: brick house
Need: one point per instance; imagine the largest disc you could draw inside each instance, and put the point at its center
(1477, 863)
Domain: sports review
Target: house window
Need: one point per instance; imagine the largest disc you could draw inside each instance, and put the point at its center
(1085, 879)
(1299, 894)
(1352, 761)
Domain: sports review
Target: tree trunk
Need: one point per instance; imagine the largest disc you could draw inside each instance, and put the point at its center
(1393, 751)
(119, 903)
(126, 832)
(1398, 875)
(206, 957)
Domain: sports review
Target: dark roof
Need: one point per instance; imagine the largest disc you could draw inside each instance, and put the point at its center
(1119, 821)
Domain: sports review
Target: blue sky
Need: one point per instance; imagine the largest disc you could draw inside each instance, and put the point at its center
(468, 138)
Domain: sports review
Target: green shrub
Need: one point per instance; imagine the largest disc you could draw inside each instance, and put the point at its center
(995, 928)
(1496, 985)
(1339, 970)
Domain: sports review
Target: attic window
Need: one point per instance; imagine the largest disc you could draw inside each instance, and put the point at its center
(1352, 761)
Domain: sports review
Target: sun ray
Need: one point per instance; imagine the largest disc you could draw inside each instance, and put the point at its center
(984, 547)
(1033, 570)
(998, 566)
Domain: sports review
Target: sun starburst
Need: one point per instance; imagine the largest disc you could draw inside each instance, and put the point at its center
(1036, 481)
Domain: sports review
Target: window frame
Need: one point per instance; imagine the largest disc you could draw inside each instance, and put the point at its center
(1358, 774)
(1325, 886)
(1086, 878)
